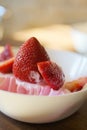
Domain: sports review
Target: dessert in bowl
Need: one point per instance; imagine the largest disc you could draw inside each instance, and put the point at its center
(55, 90)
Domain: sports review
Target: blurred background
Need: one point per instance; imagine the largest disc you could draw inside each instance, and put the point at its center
(53, 22)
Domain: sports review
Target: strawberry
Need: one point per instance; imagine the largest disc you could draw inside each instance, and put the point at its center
(6, 66)
(76, 85)
(52, 74)
(6, 53)
(25, 64)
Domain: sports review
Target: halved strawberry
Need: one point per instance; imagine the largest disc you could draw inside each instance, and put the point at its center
(25, 64)
(6, 53)
(52, 74)
(6, 66)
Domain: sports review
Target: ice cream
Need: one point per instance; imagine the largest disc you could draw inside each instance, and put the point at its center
(11, 84)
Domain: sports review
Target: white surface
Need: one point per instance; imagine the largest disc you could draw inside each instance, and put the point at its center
(42, 109)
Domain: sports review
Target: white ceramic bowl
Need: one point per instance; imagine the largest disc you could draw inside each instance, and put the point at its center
(43, 109)
(79, 37)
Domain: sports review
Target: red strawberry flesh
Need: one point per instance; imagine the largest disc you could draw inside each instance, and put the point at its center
(25, 64)
(52, 74)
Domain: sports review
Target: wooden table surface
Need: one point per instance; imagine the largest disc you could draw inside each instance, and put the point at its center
(78, 121)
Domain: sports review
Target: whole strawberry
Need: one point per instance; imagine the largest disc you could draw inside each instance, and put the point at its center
(25, 64)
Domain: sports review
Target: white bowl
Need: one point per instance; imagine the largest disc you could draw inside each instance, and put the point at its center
(43, 109)
(79, 37)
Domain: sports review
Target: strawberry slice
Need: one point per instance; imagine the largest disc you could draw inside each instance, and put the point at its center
(52, 74)
(6, 53)
(25, 64)
(76, 85)
(6, 66)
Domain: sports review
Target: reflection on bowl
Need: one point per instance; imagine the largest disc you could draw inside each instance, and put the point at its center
(43, 109)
